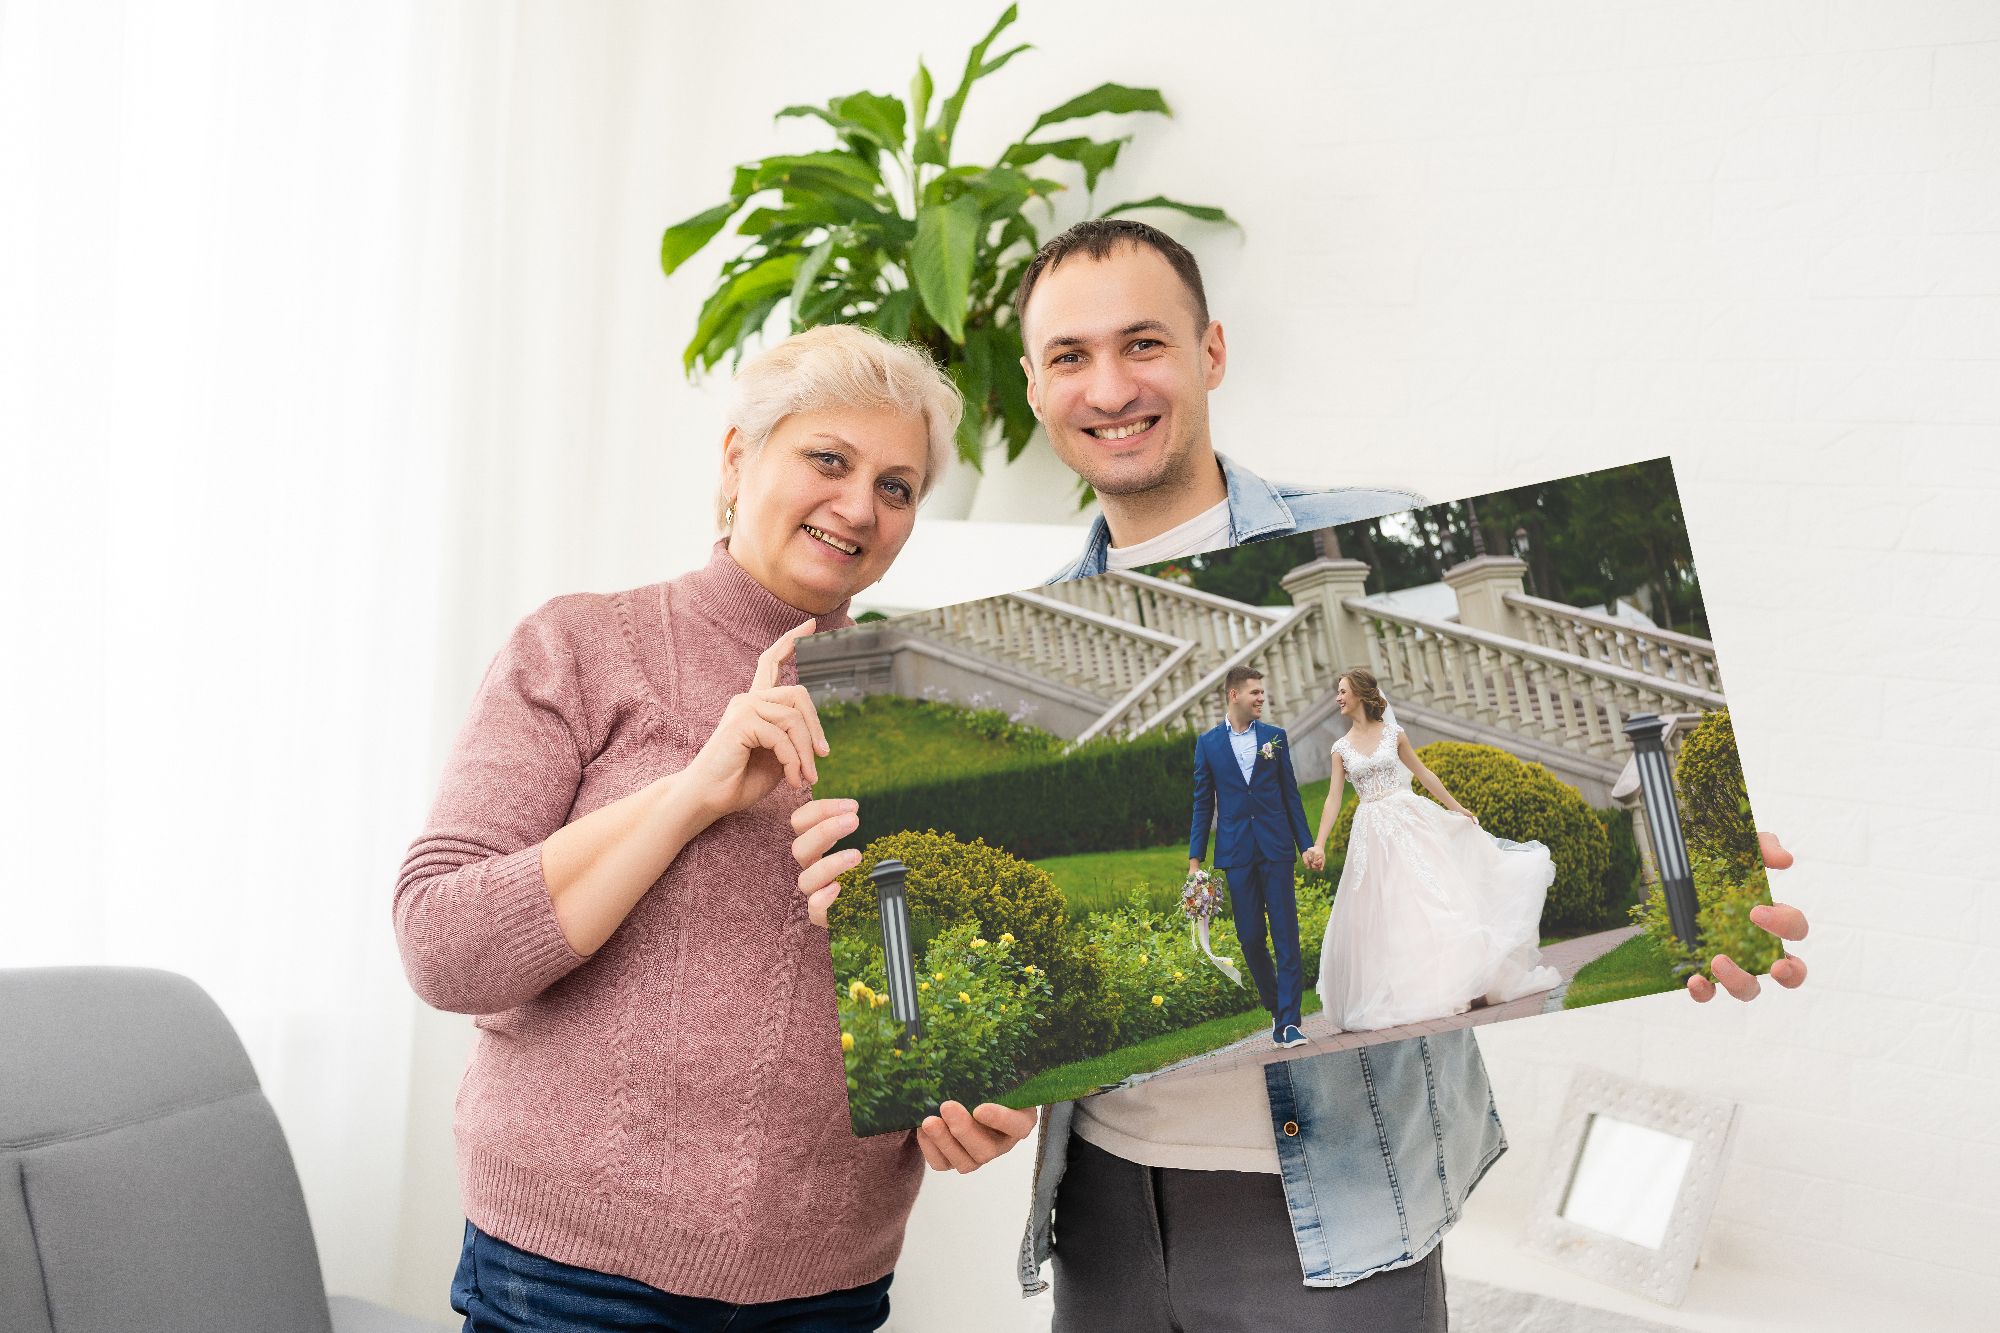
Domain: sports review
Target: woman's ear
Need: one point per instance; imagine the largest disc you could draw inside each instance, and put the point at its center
(732, 460)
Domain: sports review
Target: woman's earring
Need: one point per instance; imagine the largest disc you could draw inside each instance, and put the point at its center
(729, 518)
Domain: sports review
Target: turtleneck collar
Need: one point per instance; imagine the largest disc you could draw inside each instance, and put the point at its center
(725, 590)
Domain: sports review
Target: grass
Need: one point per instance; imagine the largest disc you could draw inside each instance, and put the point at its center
(1634, 968)
(1103, 881)
(1080, 1078)
(886, 740)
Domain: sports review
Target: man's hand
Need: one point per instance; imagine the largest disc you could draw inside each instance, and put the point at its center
(1194, 865)
(1785, 922)
(1315, 859)
(956, 1139)
(820, 824)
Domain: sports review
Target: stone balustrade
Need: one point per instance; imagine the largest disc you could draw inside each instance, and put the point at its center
(1650, 652)
(1153, 655)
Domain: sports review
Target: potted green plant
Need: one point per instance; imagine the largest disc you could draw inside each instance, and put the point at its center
(885, 231)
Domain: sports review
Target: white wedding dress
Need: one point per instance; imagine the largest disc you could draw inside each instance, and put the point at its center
(1432, 911)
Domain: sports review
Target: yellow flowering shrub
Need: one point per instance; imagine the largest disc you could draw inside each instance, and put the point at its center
(978, 1025)
(1007, 900)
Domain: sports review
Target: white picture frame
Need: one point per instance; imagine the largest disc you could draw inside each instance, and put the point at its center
(1661, 1274)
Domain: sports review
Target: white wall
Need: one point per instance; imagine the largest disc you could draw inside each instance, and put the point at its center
(1484, 243)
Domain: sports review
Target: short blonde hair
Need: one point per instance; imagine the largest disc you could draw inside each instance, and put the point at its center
(840, 365)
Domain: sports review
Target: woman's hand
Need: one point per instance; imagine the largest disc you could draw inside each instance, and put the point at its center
(820, 824)
(1461, 810)
(1315, 857)
(1785, 922)
(956, 1139)
(770, 732)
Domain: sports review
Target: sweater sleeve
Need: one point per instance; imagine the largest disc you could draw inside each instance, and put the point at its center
(474, 923)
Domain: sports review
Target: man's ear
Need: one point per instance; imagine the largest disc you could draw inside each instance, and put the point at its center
(1034, 390)
(1214, 354)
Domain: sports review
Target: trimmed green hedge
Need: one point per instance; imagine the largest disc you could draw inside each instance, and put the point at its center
(1723, 855)
(953, 882)
(1521, 802)
(1106, 796)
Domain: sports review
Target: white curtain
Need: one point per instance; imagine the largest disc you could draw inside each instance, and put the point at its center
(220, 544)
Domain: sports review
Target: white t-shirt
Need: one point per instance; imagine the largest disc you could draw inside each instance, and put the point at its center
(1206, 531)
(1215, 1122)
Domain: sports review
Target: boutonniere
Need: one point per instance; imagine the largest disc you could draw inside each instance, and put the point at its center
(1269, 749)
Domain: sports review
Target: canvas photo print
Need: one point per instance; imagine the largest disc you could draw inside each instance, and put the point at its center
(1457, 765)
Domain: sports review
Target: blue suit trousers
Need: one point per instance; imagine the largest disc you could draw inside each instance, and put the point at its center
(1258, 892)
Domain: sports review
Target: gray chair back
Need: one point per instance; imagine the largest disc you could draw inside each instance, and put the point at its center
(145, 1186)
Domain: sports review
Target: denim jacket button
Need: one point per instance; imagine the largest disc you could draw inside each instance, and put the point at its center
(1291, 1128)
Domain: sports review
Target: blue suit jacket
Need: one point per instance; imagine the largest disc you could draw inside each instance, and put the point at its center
(1261, 820)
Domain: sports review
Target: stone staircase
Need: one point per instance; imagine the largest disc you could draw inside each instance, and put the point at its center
(1126, 654)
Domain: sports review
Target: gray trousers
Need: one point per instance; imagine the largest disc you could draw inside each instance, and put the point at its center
(1156, 1250)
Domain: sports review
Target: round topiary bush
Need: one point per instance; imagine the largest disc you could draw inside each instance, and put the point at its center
(951, 883)
(1521, 802)
(1715, 807)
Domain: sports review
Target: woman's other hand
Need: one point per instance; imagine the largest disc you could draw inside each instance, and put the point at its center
(956, 1139)
(1787, 923)
(820, 824)
(769, 733)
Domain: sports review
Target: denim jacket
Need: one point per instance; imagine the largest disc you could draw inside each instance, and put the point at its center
(1260, 509)
(1378, 1147)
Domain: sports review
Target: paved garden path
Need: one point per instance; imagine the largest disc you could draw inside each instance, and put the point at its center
(1567, 956)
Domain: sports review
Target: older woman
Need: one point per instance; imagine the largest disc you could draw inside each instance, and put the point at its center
(653, 1130)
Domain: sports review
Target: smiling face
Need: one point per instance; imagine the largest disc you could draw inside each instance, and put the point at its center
(1118, 371)
(1246, 703)
(823, 509)
(1350, 706)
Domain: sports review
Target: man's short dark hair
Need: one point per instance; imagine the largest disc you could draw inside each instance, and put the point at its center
(1096, 238)
(1237, 675)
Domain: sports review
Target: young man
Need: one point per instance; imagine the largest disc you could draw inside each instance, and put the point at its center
(1243, 781)
(1121, 356)
(1287, 1197)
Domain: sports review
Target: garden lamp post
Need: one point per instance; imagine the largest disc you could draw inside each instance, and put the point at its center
(898, 959)
(1663, 820)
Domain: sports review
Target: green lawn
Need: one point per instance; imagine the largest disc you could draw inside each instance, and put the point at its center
(1102, 881)
(1083, 1077)
(887, 740)
(1636, 967)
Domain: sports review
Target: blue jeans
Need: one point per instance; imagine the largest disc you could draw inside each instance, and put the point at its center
(502, 1289)
(1256, 892)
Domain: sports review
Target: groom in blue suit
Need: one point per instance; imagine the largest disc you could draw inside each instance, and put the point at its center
(1243, 770)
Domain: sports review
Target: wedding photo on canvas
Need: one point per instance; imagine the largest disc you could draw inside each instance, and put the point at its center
(1460, 764)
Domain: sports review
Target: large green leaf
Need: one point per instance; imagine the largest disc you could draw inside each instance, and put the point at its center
(1010, 386)
(1094, 156)
(972, 373)
(947, 237)
(892, 316)
(921, 141)
(773, 172)
(1202, 211)
(875, 114)
(975, 69)
(1114, 98)
(808, 273)
(683, 239)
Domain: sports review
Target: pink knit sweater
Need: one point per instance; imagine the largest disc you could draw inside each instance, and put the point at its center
(674, 1107)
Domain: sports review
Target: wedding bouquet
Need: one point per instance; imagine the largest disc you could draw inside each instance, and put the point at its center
(1199, 903)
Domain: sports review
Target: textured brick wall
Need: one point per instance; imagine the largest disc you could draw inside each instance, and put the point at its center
(1764, 238)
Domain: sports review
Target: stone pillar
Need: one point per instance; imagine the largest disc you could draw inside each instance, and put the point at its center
(1481, 584)
(1326, 583)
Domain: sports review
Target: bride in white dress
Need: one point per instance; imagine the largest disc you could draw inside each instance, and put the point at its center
(1432, 913)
